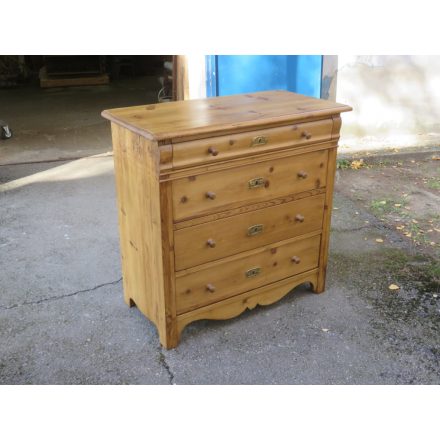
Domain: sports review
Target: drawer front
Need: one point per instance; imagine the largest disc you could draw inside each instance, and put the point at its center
(235, 145)
(218, 239)
(207, 193)
(230, 278)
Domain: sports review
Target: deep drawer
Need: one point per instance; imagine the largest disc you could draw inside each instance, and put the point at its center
(229, 278)
(213, 192)
(235, 145)
(218, 239)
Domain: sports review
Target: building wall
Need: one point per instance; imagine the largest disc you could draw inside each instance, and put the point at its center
(395, 100)
(196, 76)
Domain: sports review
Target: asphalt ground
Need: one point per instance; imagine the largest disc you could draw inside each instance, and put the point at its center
(63, 319)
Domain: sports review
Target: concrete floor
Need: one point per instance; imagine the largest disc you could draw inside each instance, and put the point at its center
(63, 319)
(66, 123)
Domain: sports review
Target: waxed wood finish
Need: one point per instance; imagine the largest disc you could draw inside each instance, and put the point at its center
(223, 203)
(231, 277)
(197, 195)
(169, 173)
(232, 235)
(136, 174)
(237, 304)
(320, 287)
(198, 118)
(241, 144)
(246, 208)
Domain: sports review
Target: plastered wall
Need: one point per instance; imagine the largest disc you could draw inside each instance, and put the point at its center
(396, 100)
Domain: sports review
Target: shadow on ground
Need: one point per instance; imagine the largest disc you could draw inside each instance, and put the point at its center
(63, 319)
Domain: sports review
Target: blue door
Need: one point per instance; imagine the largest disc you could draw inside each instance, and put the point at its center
(232, 74)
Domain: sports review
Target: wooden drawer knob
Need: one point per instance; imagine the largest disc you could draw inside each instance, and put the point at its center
(295, 259)
(306, 134)
(302, 174)
(210, 288)
(211, 243)
(210, 195)
(299, 218)
(212, 151)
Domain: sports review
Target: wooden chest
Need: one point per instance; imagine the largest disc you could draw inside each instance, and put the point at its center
(224, 203)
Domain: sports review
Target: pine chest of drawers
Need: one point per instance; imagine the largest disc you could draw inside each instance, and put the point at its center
(224, 203)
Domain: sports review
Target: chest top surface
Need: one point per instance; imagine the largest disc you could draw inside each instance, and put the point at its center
(179, 120)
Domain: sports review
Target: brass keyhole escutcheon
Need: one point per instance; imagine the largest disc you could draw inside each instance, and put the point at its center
(253, 272)
(255, 229)
(259, 140)
(258, 182)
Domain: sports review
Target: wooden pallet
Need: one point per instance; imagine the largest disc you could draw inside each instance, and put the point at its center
(71, 81)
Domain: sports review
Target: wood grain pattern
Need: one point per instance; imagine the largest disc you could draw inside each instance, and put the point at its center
(229, 278)
(337, 122)
(327, 213)
(242, 209)
(183, 120)
(146, 283)
(171, 174)
(180, 77)
(168, 331)
(209, 236)
(279, 178)
(231, 234)
(242, 144)
(236, 305)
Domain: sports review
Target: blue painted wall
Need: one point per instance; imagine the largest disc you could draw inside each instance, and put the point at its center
(231, 74)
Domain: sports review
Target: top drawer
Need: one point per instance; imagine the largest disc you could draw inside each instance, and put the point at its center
(235, 145)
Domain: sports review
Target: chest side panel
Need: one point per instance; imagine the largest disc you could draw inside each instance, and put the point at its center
(139, 210)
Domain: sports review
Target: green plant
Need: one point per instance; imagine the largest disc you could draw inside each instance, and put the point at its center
(389, 206)
(343, 164)
(433, 183)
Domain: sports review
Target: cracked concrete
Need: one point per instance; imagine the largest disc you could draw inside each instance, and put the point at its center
(54, 298)
(51, 253)
(164, 363)
(59, 237)
(62, 315)
(56, 231)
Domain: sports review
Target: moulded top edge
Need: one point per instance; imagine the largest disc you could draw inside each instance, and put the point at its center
(180, 120)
